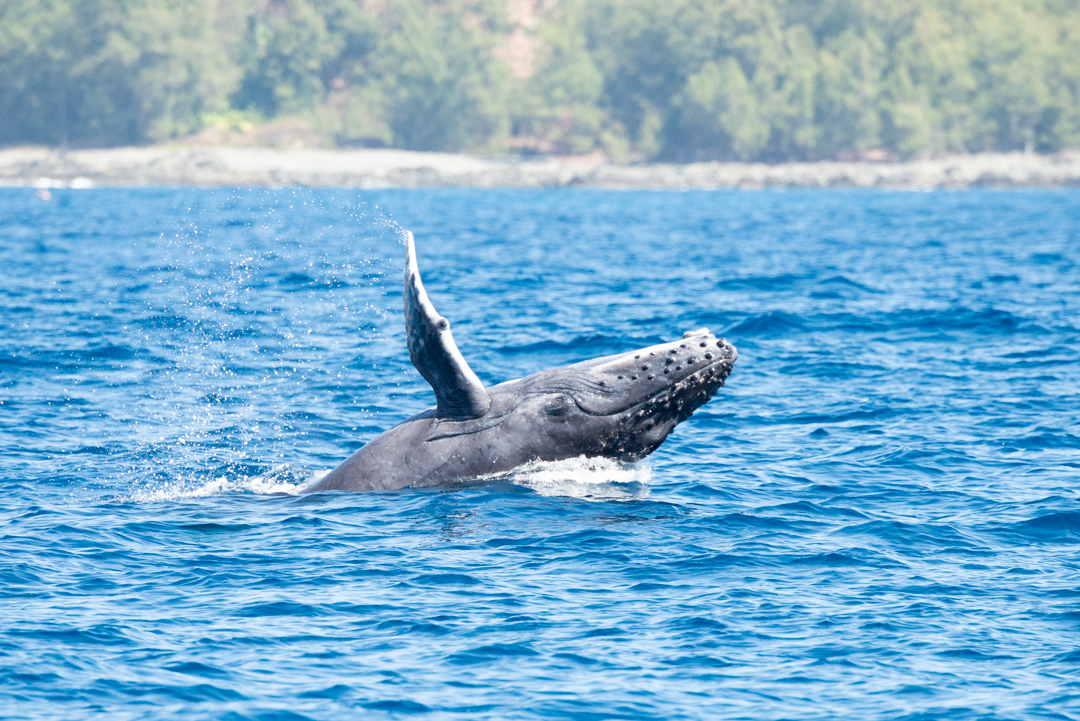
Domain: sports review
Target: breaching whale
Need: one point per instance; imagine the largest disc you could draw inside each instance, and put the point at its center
(621, 406)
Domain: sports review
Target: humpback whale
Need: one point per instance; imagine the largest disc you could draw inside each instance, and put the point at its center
(621, 407)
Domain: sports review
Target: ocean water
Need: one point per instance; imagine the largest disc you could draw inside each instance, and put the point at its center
(877, 518)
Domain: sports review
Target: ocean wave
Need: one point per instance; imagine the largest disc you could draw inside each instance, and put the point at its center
(599, 344)
(1060, 527)
(772, 323)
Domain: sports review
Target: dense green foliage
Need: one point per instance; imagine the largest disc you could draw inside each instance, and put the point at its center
(103, 72)
(640, 79)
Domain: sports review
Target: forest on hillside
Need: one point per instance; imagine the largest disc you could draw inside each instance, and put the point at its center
(675, 80)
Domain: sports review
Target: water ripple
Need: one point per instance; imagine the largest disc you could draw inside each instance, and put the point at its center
(878, 517)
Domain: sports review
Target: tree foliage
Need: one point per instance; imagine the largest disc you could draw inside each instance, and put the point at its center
(677, 80)
(103, 72)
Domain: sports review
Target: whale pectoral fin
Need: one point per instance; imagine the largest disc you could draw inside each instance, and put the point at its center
(434, 353)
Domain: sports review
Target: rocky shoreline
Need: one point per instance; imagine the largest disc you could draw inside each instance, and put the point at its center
(227, 166)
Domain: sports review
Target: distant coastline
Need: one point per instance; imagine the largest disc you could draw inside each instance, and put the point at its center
(232, 166)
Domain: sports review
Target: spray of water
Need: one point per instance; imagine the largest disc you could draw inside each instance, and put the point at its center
(257, 323)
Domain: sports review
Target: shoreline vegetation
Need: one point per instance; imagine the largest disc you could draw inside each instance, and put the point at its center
(375, 168)
(779, 82)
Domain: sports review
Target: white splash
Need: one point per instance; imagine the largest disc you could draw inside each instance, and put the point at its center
(283, 479)
(594, 479)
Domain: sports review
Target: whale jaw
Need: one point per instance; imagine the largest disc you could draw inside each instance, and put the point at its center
(645, 423)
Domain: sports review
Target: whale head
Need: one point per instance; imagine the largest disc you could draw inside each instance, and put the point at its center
(624, 406)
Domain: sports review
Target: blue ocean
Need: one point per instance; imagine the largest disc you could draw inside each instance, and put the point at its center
(877, 518)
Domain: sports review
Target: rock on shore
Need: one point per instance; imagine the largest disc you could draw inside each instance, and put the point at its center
(224, 166)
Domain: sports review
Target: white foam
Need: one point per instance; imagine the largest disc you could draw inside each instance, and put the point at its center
(594, 479)
(283, 479)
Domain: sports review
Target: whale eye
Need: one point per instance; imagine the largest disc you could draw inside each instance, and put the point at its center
(558, 407)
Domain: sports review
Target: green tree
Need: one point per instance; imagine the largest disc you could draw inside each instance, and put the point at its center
(288, 46)
(847, 95)
(719, 117)
(444, 88)
(645, 79)
(107, 72)
(557, 107)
